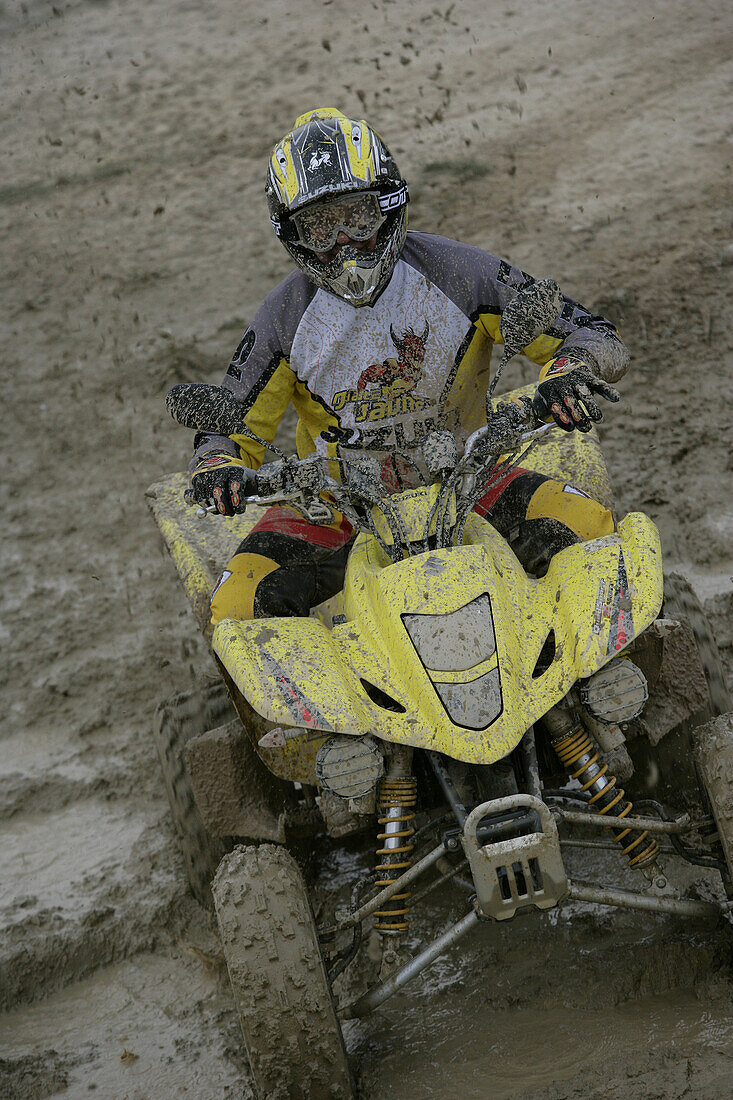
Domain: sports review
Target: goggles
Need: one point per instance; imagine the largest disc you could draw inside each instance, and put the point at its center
(358, 215)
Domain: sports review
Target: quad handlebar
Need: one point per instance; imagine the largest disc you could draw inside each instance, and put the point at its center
(489, 453)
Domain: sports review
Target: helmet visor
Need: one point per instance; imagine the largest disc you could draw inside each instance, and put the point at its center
(358, 216)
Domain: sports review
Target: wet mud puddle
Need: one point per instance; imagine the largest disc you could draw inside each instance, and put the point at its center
(454, 1052)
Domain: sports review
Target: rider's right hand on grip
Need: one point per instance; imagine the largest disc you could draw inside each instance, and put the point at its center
(228, 485)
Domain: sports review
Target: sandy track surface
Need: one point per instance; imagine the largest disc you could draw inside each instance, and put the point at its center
(590, 142)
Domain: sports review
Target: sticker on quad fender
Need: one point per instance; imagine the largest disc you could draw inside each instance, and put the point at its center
(303, 711)
(617, 607)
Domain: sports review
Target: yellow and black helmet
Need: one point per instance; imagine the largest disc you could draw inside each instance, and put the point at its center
(327, 155)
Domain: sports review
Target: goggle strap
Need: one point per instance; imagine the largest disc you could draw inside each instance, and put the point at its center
(393, 199)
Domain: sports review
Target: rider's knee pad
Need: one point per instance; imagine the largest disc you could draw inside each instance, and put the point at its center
(585, 517)
(234, 595)
(289, 590)
(536, 541)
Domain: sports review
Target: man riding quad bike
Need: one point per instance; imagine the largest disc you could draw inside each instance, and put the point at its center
(378, 337)
(426, 622)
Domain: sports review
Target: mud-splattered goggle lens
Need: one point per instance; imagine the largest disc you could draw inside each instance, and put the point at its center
(358, 216)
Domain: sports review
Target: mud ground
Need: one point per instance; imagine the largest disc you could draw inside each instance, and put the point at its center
(588, 142)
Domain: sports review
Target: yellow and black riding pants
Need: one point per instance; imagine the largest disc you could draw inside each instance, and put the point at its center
(286, 566)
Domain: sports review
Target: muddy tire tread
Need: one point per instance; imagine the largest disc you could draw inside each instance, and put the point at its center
(283, 998)
(178, 720)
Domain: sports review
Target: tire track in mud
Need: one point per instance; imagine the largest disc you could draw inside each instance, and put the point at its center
(83, 904)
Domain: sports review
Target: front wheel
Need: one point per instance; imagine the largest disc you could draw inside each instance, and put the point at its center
(284, 1001)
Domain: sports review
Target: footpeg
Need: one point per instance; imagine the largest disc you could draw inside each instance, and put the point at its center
(516, 873)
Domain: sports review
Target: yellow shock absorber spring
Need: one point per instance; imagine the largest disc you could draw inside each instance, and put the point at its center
(397, 798)
(580, 756)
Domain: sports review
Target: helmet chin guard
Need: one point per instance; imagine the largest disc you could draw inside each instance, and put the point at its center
(328, 154)
(355, 275)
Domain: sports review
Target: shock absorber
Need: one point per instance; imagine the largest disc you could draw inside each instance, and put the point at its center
(396, 810)
(580, 755)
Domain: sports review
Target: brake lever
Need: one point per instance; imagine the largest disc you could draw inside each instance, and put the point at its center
(276, 498)
(506, 444)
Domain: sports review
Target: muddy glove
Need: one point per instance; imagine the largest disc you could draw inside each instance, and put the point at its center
(221, 478)
(565, 394)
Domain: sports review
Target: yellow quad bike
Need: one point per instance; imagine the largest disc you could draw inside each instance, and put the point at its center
(477, 718)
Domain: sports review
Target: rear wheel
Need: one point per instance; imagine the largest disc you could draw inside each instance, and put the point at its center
(680, 602)
(668, 770)
(283, 997)
(180, 718)
(693, 765)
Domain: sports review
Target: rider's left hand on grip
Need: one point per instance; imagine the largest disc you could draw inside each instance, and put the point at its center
(566, 394)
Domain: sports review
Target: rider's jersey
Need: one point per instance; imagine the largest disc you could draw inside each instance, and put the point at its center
(379, 377)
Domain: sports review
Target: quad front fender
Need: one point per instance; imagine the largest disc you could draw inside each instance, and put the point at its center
(367, 675)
